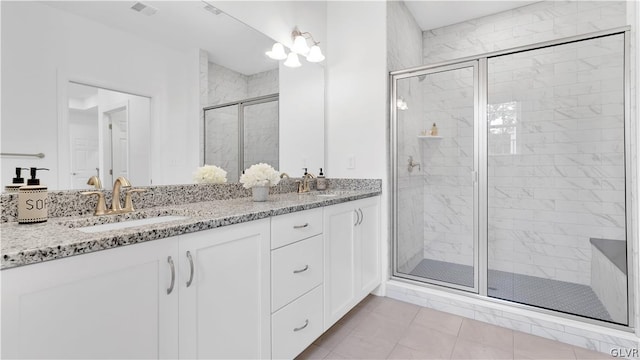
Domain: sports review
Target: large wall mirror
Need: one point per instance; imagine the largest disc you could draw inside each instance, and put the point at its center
(166, 60)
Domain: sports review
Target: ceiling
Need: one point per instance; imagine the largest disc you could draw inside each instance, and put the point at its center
(183, 25)
(434, 14)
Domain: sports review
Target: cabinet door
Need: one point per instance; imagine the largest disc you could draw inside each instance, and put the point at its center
(339, 261)
(106, 304)
(225, 311)
(368, 243)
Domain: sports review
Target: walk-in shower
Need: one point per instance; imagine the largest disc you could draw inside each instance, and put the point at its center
(524, 194)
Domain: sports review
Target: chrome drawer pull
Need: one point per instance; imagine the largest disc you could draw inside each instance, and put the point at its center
(306, 267)
(300, 226)
(173, 275)
(306, 323)
(191, 268)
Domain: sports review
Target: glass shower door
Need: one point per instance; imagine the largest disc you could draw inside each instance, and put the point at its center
(435, 174)
(556, 178)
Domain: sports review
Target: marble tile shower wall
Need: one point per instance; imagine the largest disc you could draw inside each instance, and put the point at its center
(448, 99)
(404, 50)
(523, 249)
(560, 179)
(261, 121)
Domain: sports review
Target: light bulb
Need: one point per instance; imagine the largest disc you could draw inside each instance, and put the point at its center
(300, 45)
(292, 60)
(315, 54)
(277, 52)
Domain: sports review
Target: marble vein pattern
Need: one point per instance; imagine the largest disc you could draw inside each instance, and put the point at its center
(28, 244)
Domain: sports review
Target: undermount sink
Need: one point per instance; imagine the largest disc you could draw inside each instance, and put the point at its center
(130, 223)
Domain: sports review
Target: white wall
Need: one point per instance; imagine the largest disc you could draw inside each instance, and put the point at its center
(65, 47)
(302, 141)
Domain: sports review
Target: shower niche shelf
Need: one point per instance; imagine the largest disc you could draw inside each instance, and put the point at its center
(429, 137)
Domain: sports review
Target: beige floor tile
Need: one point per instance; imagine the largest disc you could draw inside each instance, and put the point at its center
(313, 352)
(330, 339)
(586, 354)
(427, 340)
(376, 326)
(487, 334)
(399, 311)
(466, 349)
(527, 346)
(403, 352)
(355, 347)
(334, 356)
(354, 317)
(371, 302)
(441, 321)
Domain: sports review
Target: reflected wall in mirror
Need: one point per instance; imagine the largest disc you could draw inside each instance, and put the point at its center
(163, 57)
(108, 136)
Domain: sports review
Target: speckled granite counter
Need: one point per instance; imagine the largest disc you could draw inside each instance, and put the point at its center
(29, 244)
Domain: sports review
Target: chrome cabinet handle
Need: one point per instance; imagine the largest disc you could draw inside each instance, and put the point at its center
(306, 267)
(306, 323)
(191, 268)
(361, 216)
(301, 226)
(173, 275)
(357, 217)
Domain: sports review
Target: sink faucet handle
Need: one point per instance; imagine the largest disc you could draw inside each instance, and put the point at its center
(101, 207)
(128, 203)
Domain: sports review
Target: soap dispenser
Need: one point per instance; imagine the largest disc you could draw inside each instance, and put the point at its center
(32, 200)
(321, 182)
(17, 182)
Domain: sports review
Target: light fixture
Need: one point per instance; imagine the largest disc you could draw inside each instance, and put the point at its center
(277, 52)
(292, 60)
(315, 54)
(299, 47)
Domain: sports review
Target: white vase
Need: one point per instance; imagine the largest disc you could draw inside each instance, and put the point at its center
(260, 193)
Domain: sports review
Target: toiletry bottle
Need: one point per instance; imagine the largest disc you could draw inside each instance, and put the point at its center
(434, 130)
(32, 201)
(321, 182)
(17, 182)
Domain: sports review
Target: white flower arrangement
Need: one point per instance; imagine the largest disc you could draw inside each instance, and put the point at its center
(210, 174)
(260, 175)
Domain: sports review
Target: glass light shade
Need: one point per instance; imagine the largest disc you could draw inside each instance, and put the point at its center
(300, 45)
(292, 60)
(315, 54)
(277, 52)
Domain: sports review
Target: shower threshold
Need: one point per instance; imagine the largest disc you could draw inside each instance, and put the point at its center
(551, 294)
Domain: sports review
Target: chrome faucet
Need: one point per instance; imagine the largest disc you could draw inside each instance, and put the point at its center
(116, 206)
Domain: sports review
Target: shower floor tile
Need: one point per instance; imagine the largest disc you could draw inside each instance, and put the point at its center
(545, 293)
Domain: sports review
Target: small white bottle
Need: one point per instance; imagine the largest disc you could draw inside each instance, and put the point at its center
(33, 201)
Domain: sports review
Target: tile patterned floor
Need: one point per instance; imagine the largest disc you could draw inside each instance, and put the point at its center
(383, 328)
(531, 290)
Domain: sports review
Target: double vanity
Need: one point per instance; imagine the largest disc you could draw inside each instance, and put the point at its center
(221, 278)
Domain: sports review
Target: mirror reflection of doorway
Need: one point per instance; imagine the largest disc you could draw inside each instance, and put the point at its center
(108, 136)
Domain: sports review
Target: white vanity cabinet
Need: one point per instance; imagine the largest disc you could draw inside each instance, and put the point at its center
(225, 306)
(351, 255)
(105, 304)
(134, 302)
(296, 282)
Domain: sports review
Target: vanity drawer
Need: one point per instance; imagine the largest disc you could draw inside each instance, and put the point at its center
(289, 228)
(297, 325)
(295, 269)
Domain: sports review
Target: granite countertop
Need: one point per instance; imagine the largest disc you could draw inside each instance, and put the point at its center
(57, 238)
